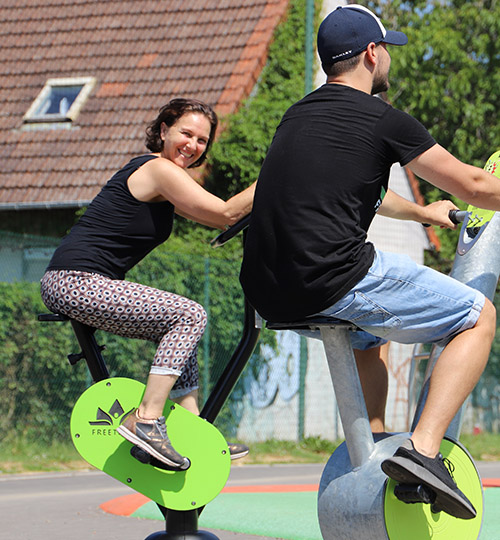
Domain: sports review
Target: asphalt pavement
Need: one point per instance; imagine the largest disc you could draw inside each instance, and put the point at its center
(65, 506)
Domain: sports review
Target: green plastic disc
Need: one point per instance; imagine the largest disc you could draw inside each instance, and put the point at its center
(479, 217)
(101, 409)
(417, 522)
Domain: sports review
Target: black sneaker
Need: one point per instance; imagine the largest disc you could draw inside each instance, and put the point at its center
(151, 436)
(408, 466)
(237, 450)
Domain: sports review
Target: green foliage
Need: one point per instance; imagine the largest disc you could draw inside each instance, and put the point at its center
(22, 455)
(25, 454)
(448, 77)
(237, 155)
(38, 387)
(309, 450)
(484, 446)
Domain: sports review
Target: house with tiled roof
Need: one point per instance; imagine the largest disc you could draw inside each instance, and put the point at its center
(81, 79)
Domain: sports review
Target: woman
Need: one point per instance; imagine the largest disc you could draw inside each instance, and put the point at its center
(132, 215)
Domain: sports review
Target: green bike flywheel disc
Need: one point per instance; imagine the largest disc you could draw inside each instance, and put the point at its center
(417, 522)
(101, 409)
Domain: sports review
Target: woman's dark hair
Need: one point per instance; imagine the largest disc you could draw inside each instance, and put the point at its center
(170, 113)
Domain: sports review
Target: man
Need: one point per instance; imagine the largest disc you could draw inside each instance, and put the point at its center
(324, 177)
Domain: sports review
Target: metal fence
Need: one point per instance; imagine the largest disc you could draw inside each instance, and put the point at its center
(276, 397)
(38, 386)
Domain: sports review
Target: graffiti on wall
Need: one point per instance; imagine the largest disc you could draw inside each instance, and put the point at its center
(278, 372)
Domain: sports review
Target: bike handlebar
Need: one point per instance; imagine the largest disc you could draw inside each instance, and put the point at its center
(231, 232)
(457, 216)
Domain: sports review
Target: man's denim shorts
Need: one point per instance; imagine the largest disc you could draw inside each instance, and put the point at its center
(399, 300)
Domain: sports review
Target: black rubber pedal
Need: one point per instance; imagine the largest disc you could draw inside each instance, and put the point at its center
(414, 493)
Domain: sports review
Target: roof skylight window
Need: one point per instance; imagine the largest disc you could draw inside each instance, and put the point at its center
(60, 100)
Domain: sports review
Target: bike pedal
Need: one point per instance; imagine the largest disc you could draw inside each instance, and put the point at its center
(435, 508)
(414, 493)
(143, 456)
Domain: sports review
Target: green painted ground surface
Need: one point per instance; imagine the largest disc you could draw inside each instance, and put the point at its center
(291, 515)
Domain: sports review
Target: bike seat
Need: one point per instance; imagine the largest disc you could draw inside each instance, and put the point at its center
(310, 323)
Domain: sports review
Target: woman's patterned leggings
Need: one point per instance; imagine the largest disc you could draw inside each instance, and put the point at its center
(176, 324)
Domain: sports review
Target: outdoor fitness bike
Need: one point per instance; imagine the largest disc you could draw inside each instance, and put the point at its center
(180, 494)
(355, 499)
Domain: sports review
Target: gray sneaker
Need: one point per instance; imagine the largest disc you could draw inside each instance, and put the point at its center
(408, 466)
(151, 436)
(237, 450)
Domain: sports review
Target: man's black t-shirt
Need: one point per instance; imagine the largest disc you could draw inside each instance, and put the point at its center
(320, 185)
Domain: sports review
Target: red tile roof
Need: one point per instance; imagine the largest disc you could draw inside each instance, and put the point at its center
(142, 53)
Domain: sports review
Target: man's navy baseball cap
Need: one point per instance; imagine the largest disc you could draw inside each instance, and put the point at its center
(348, 30)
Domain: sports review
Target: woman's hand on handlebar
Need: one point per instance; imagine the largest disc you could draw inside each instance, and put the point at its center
(231, 232)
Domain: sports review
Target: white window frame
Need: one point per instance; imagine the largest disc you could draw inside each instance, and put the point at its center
(87, 84)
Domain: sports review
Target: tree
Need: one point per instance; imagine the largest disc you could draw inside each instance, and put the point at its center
(237, 155)
(448, 78)
(448, 75)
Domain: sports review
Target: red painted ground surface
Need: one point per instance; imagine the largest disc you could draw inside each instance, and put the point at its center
(128, 504)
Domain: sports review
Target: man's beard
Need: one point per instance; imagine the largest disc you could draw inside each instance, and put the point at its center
(380, 84)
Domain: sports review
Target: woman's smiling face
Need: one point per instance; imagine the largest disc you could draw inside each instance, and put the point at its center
(186, 140)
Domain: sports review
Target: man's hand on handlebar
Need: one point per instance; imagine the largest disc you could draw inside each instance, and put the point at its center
(438, 213)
